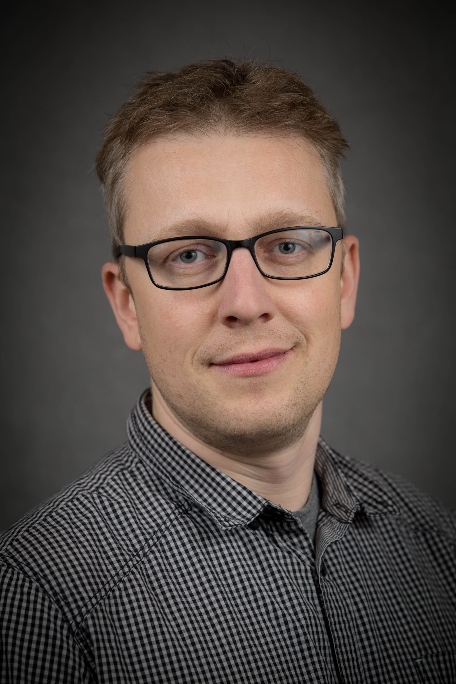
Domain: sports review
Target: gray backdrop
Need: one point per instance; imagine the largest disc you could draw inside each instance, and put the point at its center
(68, 382)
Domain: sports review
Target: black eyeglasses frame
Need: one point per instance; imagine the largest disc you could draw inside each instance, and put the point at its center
(141, 252)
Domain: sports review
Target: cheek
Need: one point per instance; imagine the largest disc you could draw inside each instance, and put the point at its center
(169, 331)
(314, 309)
(328, 323)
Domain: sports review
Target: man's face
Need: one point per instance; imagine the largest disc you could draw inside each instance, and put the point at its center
(235, 187)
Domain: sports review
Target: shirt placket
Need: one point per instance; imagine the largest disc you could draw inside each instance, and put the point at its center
(299, 558)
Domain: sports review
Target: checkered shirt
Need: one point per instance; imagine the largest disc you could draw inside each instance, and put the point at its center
(156, 567)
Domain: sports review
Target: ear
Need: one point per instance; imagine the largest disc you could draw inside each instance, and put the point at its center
(122, 304)
(349, 280)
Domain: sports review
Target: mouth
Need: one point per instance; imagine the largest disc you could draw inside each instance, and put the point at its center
(255, 363)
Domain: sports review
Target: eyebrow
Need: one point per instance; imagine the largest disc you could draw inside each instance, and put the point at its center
(284, 219)
(264, 223)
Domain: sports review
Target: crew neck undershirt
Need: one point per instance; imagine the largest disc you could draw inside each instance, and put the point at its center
(308, 514)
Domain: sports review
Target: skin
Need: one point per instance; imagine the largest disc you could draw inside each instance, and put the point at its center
(259, 429)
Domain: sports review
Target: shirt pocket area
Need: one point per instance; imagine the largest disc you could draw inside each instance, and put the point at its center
(437, 668)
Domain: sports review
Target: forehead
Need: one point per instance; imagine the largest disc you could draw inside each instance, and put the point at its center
(234, 184)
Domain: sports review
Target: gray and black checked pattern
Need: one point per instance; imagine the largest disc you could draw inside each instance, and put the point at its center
(155, 567)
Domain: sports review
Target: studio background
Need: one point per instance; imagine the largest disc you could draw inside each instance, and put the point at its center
(68, 381)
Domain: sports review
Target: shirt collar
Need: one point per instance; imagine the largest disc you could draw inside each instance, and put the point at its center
(349, 485)
(227, 501)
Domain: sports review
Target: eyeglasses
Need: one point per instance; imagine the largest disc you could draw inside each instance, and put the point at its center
(188, 263)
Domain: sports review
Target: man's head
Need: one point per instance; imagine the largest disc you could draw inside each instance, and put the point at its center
(216, 96)
(216, 177)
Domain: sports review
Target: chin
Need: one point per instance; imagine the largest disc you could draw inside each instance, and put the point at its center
(247, 437)
(245, 425)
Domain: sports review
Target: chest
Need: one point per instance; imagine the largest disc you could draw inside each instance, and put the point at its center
(252, 605)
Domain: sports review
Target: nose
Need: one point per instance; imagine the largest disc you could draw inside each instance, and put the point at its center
(244, 292)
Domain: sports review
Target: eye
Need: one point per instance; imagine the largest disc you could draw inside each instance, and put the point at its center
(190, 256)
(288, 247)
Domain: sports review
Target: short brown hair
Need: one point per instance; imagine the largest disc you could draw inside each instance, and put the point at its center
(241, 97)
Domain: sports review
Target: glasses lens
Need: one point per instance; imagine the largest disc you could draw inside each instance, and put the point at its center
(186, 263)
(294, 252)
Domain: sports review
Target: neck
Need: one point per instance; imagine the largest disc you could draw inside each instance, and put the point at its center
(283, 477)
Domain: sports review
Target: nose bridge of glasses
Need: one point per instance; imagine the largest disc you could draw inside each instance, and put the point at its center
(247, 243)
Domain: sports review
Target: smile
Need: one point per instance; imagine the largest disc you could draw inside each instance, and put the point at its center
(258, 363)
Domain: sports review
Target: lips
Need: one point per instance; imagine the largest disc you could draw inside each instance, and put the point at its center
(253, 363)
(252, 357)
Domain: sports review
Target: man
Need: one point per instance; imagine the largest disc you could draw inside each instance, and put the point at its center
(226, 542)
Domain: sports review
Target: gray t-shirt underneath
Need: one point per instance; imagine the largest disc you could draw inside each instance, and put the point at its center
(309, 513)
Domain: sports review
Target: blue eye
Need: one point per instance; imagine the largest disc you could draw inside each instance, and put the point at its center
(288, 247)
(191, 256)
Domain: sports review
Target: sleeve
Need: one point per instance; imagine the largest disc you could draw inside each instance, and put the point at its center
(36, 642)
